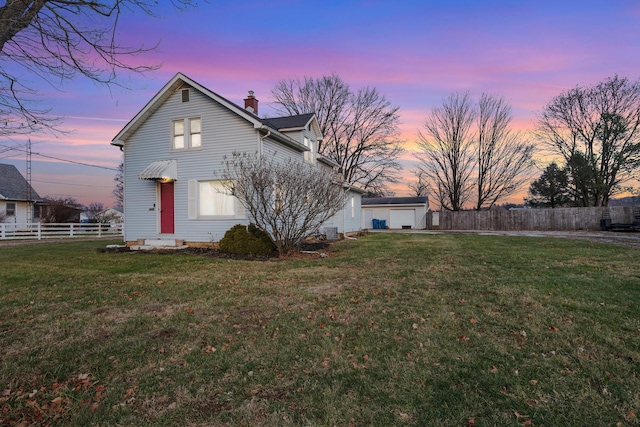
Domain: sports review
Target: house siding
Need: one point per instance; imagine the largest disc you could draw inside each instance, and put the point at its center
(222, 133)
(20, 219)
(224, 130)
(343, 220)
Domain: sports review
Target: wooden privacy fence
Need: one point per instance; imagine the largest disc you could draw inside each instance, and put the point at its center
(534, 219)
(41, 231)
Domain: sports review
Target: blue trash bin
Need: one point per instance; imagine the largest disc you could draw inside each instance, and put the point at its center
(383, 224)
(376, 224)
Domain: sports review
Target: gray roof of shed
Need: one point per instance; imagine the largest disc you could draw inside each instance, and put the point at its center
(13, 186)
(394, 201)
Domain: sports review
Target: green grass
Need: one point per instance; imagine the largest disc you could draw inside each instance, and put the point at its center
(432, 330)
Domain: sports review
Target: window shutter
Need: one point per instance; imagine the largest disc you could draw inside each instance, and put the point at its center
(193, 199)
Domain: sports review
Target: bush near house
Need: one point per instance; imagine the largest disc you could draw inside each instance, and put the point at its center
(242, 240)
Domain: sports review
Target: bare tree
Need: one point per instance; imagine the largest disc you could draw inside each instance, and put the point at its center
(118, 187)
(471, 148)
(100, 213)
(60, 210)
(360, 128)
(420, 187)
(447, 151)
(596, 131)
(288, 200)
(55, 41)
(3, 216)
(503, 155)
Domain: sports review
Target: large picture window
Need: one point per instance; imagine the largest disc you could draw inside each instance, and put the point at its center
(213, 200)
(209, 199)
(187, 133)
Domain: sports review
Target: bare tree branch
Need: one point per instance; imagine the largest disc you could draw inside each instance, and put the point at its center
(469, 146)
(596, 130)
(54, 41)
(288, 200)
(360, 128)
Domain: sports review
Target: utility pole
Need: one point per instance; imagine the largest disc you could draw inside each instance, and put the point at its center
(29, 195)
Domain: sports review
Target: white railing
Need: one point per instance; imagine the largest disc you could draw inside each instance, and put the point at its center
(39, 231)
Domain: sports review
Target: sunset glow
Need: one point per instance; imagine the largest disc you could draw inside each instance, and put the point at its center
(413, 52)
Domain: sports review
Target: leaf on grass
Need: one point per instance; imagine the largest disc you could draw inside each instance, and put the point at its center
(463, 338)
(553, 329)
(533, 382)
(474, 321)
(494, 369)
(189, 310)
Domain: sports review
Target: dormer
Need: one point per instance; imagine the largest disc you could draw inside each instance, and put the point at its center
(303, 128)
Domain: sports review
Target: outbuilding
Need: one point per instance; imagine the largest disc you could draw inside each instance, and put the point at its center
(394, 212)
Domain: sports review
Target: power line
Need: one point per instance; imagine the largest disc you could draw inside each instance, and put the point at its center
(75, 185)
(8, 148)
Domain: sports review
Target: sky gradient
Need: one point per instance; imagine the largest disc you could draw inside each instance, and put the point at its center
(414, 52)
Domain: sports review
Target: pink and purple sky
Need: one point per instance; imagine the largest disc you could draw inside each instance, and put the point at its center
(414, 52)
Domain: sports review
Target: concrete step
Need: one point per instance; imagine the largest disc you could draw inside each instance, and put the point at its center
(159, 244)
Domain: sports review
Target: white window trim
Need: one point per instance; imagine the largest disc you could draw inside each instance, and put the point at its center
(186, 125)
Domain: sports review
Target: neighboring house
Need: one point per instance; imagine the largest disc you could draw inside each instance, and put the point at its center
(17, 197)
(107, 216)
(396, 212)
(176, 143)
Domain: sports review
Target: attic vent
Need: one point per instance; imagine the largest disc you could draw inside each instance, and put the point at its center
(185, 95)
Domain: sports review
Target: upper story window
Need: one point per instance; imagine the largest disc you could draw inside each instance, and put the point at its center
(309, 156)
(10, 209)
(187, 133)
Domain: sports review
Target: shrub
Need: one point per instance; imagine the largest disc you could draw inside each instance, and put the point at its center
(242, 240)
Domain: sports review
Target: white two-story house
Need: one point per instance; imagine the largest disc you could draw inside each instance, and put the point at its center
(173, 147)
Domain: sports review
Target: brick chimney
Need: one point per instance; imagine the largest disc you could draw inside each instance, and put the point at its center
(251, 103)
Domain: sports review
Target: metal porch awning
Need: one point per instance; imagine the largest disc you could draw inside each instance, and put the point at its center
(161, 169)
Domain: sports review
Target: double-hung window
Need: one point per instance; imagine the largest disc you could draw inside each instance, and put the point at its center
(309, 156)
(187, 133)
(10, 209)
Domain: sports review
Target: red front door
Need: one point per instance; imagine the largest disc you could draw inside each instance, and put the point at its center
(166, 207)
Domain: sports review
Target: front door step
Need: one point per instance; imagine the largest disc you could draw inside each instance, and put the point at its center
(159, 244)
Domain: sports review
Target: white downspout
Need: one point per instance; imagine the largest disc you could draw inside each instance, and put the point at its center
(262, 138)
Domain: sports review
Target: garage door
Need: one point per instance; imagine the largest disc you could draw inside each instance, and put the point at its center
(402, 218)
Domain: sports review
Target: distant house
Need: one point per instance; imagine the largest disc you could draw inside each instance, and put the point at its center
(175, 145)
(17, 197)
(396, 212)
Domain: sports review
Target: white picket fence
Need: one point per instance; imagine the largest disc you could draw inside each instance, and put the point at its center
(39, 231)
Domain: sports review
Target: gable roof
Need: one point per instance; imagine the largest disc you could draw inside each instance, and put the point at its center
(394, 201)
(182, 81)
(299, 121)
(13, 186)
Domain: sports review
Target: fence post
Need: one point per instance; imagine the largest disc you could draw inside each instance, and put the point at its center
(99, 229)
(70, 230)
(2, 232)
(39, 231)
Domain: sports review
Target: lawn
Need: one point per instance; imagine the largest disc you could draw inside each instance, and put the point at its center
(432, 330)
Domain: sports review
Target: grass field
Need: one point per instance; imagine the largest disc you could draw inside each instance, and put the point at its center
(431, 330)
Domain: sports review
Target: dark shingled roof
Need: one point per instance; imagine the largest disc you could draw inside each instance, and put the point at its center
(394, 201)
(288, 122)
(13, 186)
